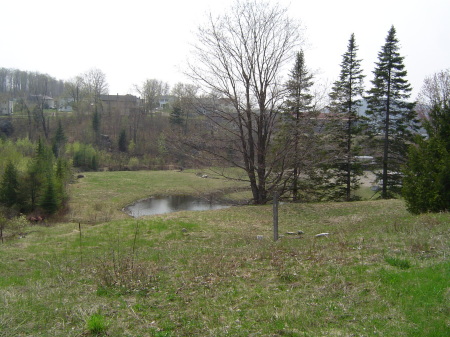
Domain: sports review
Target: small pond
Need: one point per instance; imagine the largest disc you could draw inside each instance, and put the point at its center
(174, 203)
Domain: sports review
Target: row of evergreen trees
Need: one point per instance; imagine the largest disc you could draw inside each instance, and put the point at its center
(385, 130)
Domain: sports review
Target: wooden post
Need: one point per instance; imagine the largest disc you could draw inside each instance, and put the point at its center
(81, 248)
(275, 216)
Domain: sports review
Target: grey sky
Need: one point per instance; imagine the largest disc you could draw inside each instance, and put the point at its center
(134, 40)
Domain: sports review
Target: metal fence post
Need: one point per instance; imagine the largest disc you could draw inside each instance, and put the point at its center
(275, 216)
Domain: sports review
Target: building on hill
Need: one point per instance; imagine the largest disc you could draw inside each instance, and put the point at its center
(65, 105)
(47, 101)
(6, 107)
(165, 102)
(123, 104)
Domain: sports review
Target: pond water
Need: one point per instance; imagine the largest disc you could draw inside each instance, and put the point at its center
(169, 204)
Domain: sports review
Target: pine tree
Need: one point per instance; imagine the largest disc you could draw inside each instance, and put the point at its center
(176, 116)
(298, 113)
(122, 143)
(9, 186)
(96, 125)
(49, 202)
(392, 119)
(39, 171)
(346, 99)
(59, 140)
(62, 178)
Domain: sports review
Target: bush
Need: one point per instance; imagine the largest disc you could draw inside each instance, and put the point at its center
(12, 226)
(85, 157)
(133, 163)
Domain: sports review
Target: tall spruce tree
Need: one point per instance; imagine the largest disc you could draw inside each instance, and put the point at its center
(9, 186)
(122, 142)
(96, 120)
(345, 100)
(49, 201)
(299, 109)
(59, 140)
(392, 119)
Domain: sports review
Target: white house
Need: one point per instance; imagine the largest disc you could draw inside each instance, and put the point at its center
(6, 107)
(65, 105)
(165, 101)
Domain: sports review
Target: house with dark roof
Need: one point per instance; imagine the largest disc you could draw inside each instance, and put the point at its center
(122, 104)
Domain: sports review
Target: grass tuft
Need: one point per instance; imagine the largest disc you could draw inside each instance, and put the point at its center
(399, 263)
(96, 324)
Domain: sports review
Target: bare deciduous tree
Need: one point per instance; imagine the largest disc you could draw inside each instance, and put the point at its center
(185, 100)
(74, 92)
(435, 90)
(151, 91)
(40, 95)
(239, 57)
(95, 85)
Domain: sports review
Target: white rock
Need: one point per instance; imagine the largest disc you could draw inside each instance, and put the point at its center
(321, 234)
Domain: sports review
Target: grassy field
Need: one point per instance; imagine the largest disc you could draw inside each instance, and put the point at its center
(380, 271)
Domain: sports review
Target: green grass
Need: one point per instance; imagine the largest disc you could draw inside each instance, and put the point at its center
(421, 293)
(207, 274)
(96, 324)
(396, 262)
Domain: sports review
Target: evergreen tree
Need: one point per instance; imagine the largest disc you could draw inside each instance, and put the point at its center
(122, 143)
(39, 171)
(426, 185)
(346, 99)
(49, 202)
(59, 140)
(391, 118)
(176, 116)
(298, 123)
(438, 123)
(94, 162)
(96, 125)
(9, 187)
(62, 177)
(44, 158)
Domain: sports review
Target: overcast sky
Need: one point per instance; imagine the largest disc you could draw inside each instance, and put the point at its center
(135, 40)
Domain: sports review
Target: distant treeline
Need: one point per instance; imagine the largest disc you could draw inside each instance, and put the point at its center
(19, 83)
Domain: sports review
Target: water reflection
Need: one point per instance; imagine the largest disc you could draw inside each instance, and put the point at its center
(162, 205)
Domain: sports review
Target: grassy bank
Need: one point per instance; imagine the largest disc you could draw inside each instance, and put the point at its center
(380, 271)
